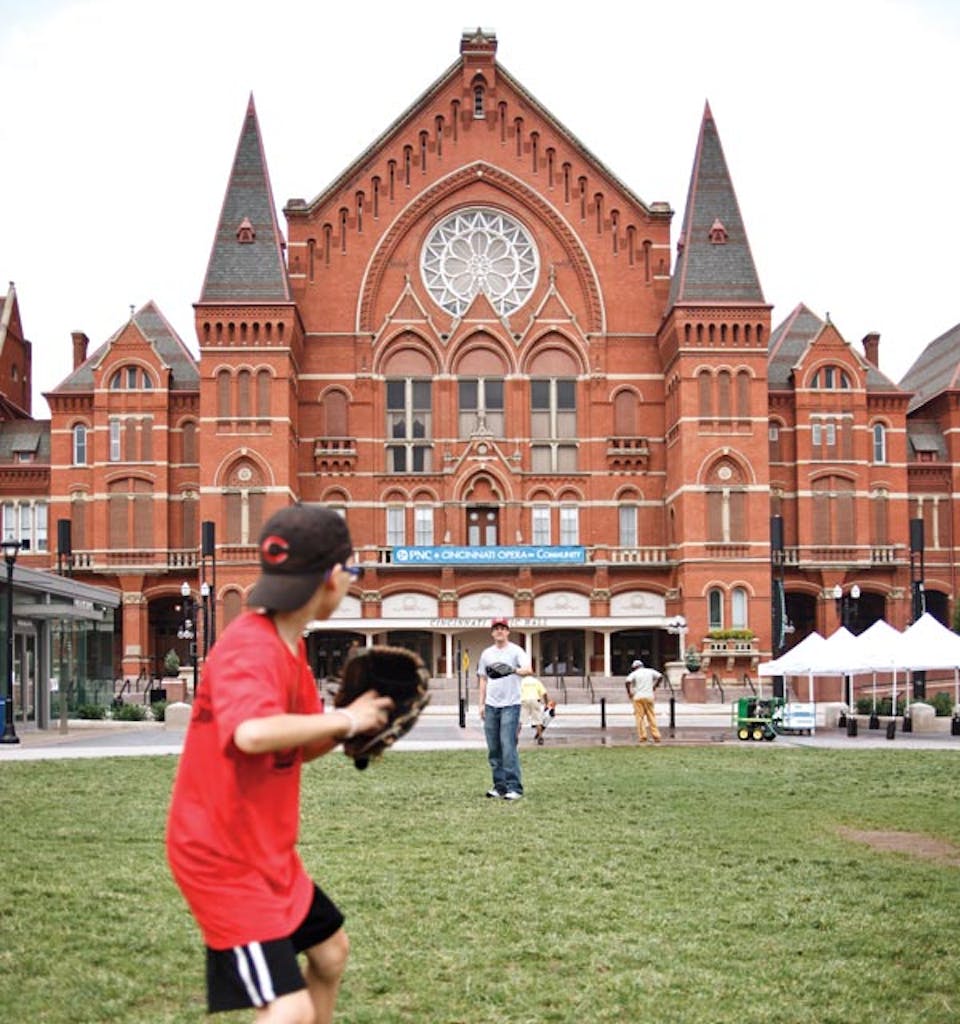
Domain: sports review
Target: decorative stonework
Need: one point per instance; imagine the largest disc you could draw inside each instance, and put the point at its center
(479, 251)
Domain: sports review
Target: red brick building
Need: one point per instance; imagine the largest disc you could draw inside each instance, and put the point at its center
(483, 347)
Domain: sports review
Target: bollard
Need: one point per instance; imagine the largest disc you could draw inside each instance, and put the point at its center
(673, 713)
(955, 726)
(874, 721)
(907, 723)
(463, 713)
(891, 728)
(603, 712)
(852, 726)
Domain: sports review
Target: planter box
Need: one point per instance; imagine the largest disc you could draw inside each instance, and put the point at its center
(694, 688)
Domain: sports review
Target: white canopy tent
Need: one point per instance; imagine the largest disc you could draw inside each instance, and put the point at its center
(926, 645)
(931, 646)
(884, 650)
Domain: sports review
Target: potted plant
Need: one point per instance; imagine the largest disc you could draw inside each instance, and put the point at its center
(691, 659)
(171, 663)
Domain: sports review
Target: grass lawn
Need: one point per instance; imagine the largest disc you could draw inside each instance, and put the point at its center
(667, 884)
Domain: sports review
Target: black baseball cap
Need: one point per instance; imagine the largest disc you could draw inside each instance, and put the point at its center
(298, 545)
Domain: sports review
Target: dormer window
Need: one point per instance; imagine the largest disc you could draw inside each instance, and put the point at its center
(245, 233)
(478, 111)
(718, 233)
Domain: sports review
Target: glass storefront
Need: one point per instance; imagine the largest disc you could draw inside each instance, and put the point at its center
(62, 644)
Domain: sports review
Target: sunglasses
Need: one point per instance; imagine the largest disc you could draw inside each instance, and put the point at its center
(356, 571)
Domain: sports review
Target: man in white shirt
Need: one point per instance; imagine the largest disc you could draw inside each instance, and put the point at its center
(641, 683)
(498, 675)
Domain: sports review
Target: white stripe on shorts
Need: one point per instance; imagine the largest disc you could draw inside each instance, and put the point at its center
(250, 962)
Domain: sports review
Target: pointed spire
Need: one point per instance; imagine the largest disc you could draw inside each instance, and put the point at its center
(246, 262)
(714, 262)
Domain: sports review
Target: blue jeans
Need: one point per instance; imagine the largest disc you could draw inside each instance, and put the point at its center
(500, 726)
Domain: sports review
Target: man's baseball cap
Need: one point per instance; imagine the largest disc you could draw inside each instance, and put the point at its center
(298, 545)
(637, 664)
(500, 622)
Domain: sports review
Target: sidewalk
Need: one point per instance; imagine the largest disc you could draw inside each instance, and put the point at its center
(439, 729)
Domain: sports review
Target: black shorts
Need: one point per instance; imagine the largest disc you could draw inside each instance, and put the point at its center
(259, 972)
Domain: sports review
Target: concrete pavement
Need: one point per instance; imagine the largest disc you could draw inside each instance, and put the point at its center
(439, 729)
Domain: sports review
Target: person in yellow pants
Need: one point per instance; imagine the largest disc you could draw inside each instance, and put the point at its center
(533, 705)
(641, 683)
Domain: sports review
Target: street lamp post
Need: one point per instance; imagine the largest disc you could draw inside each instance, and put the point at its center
(10, 550)
(188, 629)
(847, 605)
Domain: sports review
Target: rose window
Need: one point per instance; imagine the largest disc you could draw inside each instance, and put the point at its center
(474, 251)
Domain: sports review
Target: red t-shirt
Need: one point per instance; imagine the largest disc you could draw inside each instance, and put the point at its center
(234, 817)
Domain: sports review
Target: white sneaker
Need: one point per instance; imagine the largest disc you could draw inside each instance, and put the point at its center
(495, 794)
(513, 795)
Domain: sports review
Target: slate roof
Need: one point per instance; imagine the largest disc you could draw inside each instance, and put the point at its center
(25, 436)
(793, 337)
(707, 271)
(247, 271)
(157, 332)
(936, 369)
(926, 436)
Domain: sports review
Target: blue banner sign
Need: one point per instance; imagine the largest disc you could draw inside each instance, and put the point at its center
(516, 555)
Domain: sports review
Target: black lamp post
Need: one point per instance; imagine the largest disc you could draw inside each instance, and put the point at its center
(847, 605)
(10, 550)
(188, 628)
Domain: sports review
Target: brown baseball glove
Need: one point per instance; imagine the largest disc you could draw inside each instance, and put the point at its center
(393, 672)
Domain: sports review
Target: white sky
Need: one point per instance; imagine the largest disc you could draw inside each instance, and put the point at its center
(839, 121)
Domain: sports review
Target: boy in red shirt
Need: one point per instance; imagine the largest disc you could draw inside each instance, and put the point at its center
(234, 816)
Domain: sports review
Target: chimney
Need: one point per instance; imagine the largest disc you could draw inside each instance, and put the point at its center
(871, 348)
(80, 343)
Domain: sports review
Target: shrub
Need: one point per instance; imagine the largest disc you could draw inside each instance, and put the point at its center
(864, 705)
(730, 634)
(171, 662)
(159, 709)
(943, 704)
(91, 711)
(130, 713)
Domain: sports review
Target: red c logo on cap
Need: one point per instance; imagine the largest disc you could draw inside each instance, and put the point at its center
(274, 550)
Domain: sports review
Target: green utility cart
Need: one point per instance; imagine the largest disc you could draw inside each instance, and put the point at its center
(763, 718)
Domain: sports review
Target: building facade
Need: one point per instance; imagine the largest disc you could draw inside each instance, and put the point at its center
(486, 351)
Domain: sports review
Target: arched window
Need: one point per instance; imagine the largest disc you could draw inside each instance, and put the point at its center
(223, 394)
(705, 390)
(80, 444)
(879, 443)
(232, 606)
(830, 378)
(773, 436)
(130, 378)
(189, 441)
(715, 609)
(478, 111)
(263, 394)
(738, 608)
